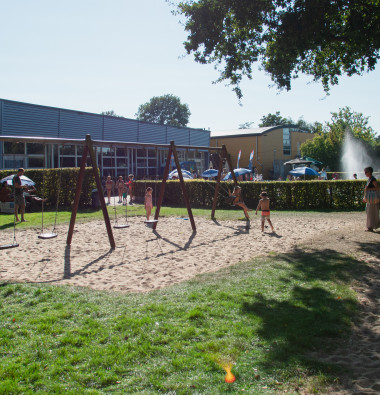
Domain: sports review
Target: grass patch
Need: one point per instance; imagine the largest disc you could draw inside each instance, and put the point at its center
(264, 317)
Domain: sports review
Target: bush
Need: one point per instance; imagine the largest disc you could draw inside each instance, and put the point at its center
(284, 195)
(53, 182)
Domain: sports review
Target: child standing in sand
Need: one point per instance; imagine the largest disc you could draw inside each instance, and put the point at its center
(265, 212)
(148, 202)
(109, 187)
(131, 187)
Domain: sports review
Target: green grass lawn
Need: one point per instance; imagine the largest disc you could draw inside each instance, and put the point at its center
(264, 317)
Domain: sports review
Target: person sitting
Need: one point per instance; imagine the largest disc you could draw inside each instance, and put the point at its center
(237, 200)
(5, 193)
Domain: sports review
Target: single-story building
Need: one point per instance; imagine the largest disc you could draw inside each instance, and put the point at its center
(272, 146)
(19, 119)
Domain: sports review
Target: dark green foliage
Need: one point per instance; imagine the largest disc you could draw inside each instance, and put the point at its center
(327, 145)
(53, 182)
(324, 39)
(166, 110)
(284, 195)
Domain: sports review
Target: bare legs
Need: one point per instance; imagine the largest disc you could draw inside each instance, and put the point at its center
(244, 207)
(263, 221)
(22, 212)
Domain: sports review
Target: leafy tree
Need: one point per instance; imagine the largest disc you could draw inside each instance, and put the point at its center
(246, 125)
(166, 110)
(274, 120)
(111, 113)
(310, 127)
(327, 145)
(323, 38)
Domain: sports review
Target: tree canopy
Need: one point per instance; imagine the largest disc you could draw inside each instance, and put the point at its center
(166, 110)
(111, 113)
(276, 119)
(327, 145)
(324, 39)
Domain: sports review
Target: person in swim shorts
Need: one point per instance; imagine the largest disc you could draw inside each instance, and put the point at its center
(265, 211)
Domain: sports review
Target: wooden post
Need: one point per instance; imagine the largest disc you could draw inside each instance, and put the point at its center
(77, 195)
(88, 149)
(162, 189)
(217, 186)
(186, 198)
(100, 191)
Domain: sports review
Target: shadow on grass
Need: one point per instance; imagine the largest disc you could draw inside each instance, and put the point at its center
(7, 225)
(310, 317)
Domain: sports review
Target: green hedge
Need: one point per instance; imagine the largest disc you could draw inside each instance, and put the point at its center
(50, 181)
(284, 195)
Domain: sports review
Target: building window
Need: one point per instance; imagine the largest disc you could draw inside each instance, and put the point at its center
(14, 148)
(36, 162)
(35, 149)
(13, 163)
(286, 141)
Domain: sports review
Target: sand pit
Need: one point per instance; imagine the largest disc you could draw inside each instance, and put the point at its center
(145, 260)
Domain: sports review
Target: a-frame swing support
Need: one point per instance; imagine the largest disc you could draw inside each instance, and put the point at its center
(88, 149)
(173, 151)
(223, 155)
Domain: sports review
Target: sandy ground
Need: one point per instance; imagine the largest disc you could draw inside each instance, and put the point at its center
(145, 260)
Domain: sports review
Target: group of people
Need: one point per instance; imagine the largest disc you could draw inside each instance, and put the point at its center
(371, 198)
(124, 187)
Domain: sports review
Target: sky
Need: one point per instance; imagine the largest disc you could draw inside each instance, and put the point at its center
(97, 55)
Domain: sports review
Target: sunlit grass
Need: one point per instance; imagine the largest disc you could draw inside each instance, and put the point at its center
(263, 317)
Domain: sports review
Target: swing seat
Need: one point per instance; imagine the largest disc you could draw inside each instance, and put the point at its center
(6, 246)
(230, 199)
(151, 221)
(121, 226)
(47, 235)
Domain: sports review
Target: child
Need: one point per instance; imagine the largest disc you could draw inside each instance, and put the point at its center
(148, 202)
(238, 201)
(120, 188)
(265, 212)
(109, 186)
(125, 193)
(131, 186)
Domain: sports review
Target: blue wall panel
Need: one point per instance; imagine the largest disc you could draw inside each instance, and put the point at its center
(179, 135)
(120, 129)
(200, 138)
(21, 119)
(24, 119)
(75, 124)
(152, 133)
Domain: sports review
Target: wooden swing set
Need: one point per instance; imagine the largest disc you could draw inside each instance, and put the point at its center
(89, 150)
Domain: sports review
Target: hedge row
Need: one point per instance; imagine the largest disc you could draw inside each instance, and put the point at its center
(284, 195)
(53, 182)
